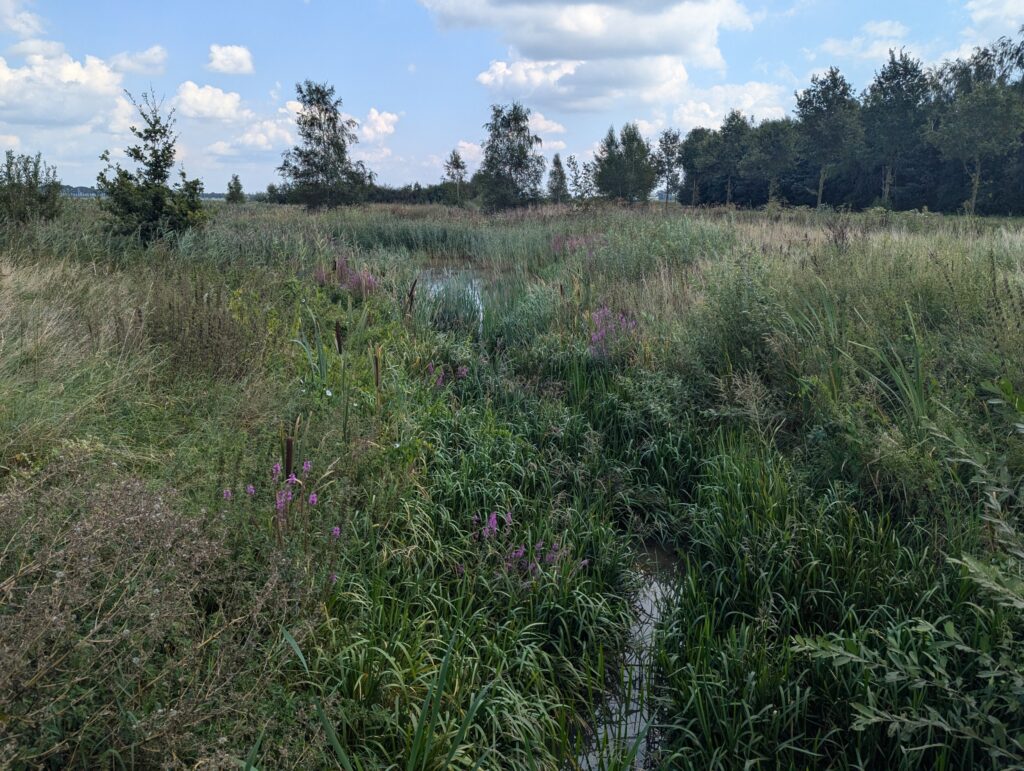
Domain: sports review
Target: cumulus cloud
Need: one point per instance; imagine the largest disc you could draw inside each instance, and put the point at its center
(16, 20)
(52, 88)
(148, 62)
(9, 142)
(589, 55)
(996, 17)
(231, 60)
(541, 125)
(877, 38)
(708, 107)
(210, 103)
(471, 152)
(378, 125)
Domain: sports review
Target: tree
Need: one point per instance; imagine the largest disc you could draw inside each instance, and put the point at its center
(455, 171)
(895, 116)
(625, 166)
(29, 189)
(979, 128)
(667, 162)
(558, 187)
(141, 202)
(697, 158)
(235, 194)
(733, 139)
(320, 172)
(829, 123)
(512, 168)
(771, 152)
(581, 179)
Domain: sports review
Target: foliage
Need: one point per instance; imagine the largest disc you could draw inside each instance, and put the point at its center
(625, 166)
(29, 189)
(235, 194)
(140, 202)
(558, 186)
(511, 172)
(319, 172)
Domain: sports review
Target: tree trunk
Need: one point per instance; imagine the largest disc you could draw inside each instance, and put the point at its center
(728, 190)
(975, 184)
(887, 187)
(821, 185)
(773, 189)
(695, 198)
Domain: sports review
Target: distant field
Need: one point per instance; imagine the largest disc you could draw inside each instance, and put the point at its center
(412, 487)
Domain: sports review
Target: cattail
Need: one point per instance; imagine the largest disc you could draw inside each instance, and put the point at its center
(338, 335)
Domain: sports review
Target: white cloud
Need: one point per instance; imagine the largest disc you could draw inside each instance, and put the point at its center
(210, 103)
(9, 142)
(52, 88)
(541, 125)
(471, 152)
(378, 125)
(589, 55)
(268, 135)
(231, 60)
(996, 17)
(875, 42)
(149, 62)
(14, 19)
(554, 144)
(221, 148)
(708, 107)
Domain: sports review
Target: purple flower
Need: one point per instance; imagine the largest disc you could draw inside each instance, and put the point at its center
(335, 532)
(518, 552)
(292, 479)
(440, 380)
(250, 490)
(539, 546)
(275, 471)
(281, 500)
(312, 499)
(508, 519)
(491, 528)
(227, 495)
(459, 569)
(430, 368)
(585, 563)
(288, 495)
(333, 578)
(307, 466)
(462, 372)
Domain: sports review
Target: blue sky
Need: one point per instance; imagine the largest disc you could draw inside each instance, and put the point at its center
(419, 75)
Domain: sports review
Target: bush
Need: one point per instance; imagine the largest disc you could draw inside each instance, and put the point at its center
(29, 189)
(141, 202)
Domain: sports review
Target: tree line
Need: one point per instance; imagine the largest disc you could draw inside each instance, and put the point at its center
(945, 138)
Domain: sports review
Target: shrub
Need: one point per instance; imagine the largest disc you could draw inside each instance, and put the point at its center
(29, 189)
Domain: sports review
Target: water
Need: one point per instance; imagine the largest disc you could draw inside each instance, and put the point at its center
(624, 723)
(456, 296)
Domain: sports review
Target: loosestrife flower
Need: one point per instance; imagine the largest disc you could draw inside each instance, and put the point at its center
(462, 372)
(335, 532)
(281, 500)
(227, 495)
(275, 471)
(307, 466)
(312, 499)
(250, 490)
(292, 479)
(334, 578)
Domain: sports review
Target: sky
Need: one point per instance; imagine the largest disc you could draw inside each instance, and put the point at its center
(420, 75)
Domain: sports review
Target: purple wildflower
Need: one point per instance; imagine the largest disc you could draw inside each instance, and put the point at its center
(250, 490)
(281, 501)
(292, 479)
(227, 495)
(275, 471)
(312, 499)
(508, 519)
(335, 532)
(585, 562)
(288, 495)
(519, 552)
(440, 380)
(333, 578)
(462, 372)
(307, 466)
(491, 528)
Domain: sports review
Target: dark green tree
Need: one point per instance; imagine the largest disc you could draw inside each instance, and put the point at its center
(141, 202)
(697, 159)
(771, 153)
(512, 169)
(895, 114)
(733, 140)
(667, 161)
(830, 125)
(978, 129)
(625, 167)
(29, 189)
(320, 172)
(558, 187)
(455, 171)
(235, 193)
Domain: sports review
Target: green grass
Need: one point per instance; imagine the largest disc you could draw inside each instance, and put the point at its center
(825, 432)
